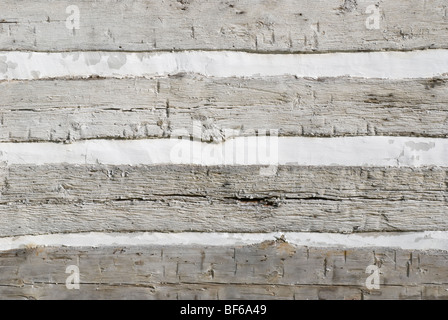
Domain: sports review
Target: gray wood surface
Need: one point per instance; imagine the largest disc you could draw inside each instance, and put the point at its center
(67, 198)
(186, 214)
(270, 270)
(65, 183)
(280, 26)
(68, 110)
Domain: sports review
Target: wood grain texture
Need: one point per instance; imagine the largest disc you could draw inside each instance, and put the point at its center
(185, 214)
(213, 109)
(286, 25)
(45, 291)
(67, 198)
(270, 270)
(94, 183)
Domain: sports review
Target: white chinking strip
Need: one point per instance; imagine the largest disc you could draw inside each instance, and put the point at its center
(391, 65)
(427, 240)
(255, 150)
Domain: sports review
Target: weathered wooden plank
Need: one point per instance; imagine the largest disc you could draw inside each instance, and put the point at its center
(63, 183)
(407, 293)
(40, 291)
(207, 215)
(287, 25)
(213, 108)
(270, 270)
(67, 198)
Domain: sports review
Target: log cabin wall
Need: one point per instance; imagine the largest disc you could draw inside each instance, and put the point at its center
(223, 149)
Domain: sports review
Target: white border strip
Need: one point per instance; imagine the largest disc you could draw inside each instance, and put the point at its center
(261, 150)
(428, 240)
(389, 65)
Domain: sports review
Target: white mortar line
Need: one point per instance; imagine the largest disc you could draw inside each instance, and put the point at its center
(261, 150)
(427, 240)
(393, 65)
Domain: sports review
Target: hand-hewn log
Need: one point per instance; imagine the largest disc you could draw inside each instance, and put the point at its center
(286, 25)
(68, 198)
(270, 270)
(67, 110)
